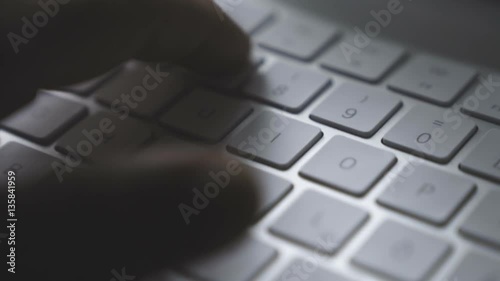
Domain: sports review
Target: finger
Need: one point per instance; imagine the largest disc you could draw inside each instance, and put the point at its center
(87, 37)
(127, 215)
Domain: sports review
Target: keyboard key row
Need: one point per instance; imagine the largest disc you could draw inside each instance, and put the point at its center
(430, 78)
(402, 253)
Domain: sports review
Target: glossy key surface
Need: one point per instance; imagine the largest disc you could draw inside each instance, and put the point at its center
(433, 79)
(274, 139)
(348, 165)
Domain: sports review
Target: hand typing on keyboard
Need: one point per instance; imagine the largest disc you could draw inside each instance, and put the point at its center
(119, 219)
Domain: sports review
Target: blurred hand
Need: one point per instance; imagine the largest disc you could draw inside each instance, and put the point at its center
(123, 213)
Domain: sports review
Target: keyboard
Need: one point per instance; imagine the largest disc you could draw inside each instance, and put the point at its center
(383, 164)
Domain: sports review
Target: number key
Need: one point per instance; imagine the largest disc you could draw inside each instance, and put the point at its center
(357, 109)
(426, 132)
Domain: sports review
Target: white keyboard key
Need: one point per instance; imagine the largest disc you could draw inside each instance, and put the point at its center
(247, 15)
(287, 87)
(45, 118)
(483, 101)
(206, 115)
(241, 260)
(101, 136)
(274, 140)
(308, 270)
(432, 79)
(348, 165)
(299, 38)
(428, 194)
(144, 89)
(401, 253)
(484, 223)
(484, 160)
(356, 109)
(320, 222)
(425, 132)
(477, 267)
(30, 166)
(370, 63)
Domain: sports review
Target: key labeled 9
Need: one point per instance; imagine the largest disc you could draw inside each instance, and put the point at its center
(350, 113)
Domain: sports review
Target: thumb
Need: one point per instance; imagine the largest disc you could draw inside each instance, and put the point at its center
(143, 211)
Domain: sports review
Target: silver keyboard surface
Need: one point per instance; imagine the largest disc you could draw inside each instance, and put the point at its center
(384, 166)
